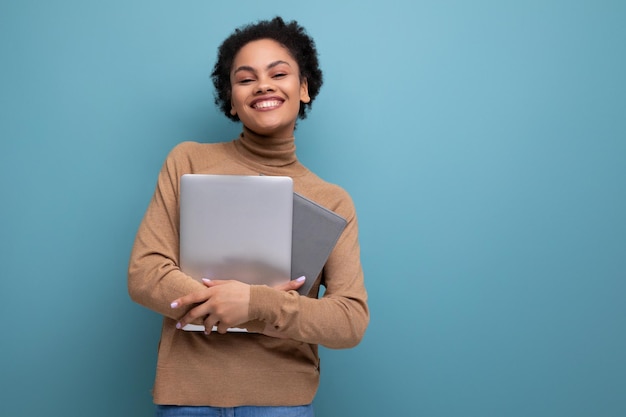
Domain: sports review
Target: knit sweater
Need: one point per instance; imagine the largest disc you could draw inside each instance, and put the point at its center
(234, 369)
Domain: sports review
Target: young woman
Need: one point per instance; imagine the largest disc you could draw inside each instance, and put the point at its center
(266, 76)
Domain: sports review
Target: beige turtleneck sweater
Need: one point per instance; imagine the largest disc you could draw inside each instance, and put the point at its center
(237, 368)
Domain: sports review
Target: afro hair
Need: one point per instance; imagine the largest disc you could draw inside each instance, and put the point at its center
(290, 35)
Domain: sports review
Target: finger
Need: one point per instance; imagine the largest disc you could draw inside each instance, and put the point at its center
(189, 299)
(294, 284)
(213, 282)
(209, 323)
(222, 328)
(200, 311)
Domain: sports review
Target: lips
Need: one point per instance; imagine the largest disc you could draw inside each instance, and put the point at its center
(267, 103)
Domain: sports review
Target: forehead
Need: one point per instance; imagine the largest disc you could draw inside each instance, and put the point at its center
(262, 52)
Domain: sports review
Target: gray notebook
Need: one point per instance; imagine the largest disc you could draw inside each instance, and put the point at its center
(315, 233)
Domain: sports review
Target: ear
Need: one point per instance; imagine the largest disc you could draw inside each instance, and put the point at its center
(233, 111)
(304, 91)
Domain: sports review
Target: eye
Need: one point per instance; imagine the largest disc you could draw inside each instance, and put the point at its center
(246, 81)
(279, 75)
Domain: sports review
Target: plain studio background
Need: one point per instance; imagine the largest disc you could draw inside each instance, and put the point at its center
(483, 142)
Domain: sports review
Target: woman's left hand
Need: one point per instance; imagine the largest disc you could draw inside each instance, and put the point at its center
(223, 303)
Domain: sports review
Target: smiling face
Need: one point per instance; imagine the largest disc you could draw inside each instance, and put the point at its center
(266, 88)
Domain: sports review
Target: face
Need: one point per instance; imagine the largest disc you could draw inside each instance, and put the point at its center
(267, 89)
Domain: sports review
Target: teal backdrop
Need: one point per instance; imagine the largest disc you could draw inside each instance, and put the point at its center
(483, 142)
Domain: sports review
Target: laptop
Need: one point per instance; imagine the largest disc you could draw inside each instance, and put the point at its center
(236, 227)
(255, 223)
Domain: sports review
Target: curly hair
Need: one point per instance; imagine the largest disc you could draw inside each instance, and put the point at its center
(290, 35)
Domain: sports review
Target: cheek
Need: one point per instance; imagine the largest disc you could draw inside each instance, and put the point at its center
(233, 108)
(235, 100)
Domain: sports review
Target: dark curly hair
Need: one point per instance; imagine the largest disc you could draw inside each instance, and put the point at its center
(291, 35)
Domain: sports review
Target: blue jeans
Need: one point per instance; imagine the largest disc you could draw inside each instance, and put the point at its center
(247, 411)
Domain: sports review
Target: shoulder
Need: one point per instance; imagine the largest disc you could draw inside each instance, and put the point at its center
(327, 194)
(192, 157)
(189, 149)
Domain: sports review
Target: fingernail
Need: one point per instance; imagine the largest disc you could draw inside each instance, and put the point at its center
(174, 304)
(179, 326)
(206, 280)
(302, 278)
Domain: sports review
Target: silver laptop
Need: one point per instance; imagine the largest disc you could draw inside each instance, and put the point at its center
(236, 227)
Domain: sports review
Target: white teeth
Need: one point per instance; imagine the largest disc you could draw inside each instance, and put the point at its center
(266, 104)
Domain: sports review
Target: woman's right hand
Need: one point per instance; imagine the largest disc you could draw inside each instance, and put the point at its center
(294, 284)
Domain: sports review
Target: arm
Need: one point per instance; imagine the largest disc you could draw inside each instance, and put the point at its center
(338, 320)
(223, 304)
(154, 276)
(340, 317)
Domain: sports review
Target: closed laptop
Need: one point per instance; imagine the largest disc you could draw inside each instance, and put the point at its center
(236, 227)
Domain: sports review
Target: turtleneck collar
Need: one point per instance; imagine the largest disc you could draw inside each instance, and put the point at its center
(266, 151)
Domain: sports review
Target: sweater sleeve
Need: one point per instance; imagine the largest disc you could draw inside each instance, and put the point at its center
(154, 276)
(338, 319)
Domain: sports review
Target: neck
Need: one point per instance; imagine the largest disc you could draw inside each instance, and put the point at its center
(266, 150)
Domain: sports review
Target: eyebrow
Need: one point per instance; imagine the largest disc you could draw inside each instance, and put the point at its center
(270, 66)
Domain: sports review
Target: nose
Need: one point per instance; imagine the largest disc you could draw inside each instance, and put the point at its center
(264, 85)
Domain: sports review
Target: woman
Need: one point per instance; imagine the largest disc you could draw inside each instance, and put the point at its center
(266, 76)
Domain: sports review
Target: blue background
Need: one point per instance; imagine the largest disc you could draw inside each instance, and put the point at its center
(483, 142)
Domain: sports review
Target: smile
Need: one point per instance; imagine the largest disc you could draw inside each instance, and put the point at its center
(266, 104)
